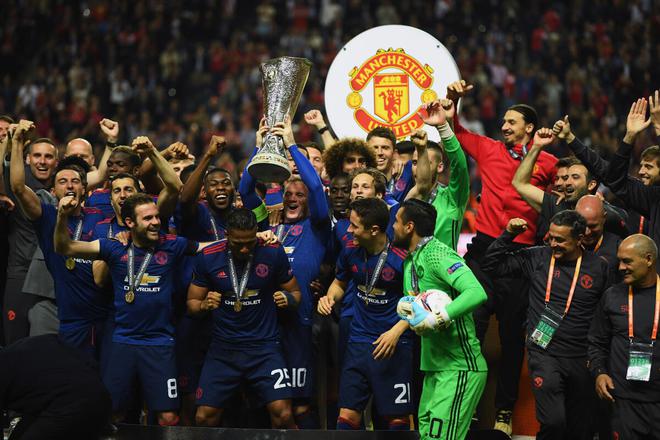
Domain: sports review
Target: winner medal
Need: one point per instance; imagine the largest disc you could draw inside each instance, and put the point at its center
(129, 297)
(70, 263)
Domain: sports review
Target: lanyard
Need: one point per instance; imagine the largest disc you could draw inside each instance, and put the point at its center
(214, 225)
(279, 233)
(641, 224)
(434, 193)
(654, 333)
(239, 289)
(371, 283)
(135, 281)
(414, 279)
(78, 231)
(600, 241)
(517, 156)
(573, 284)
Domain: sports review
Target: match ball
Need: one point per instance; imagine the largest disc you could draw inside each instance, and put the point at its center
(433, 300)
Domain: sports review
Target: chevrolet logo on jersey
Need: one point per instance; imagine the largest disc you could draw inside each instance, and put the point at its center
(375, 291)
(146, 279)
(249, 293)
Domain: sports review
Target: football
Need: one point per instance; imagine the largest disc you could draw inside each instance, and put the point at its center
(433, 300)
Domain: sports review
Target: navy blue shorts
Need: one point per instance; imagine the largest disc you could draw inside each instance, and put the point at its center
(153, 366)
(388, 380)
(192, 342)
(86, 337)
(263, 370)
(298, 350)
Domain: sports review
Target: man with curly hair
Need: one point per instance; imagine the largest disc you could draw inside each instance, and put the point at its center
(347, 155)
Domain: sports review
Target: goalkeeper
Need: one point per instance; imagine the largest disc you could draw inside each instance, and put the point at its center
(454, 369)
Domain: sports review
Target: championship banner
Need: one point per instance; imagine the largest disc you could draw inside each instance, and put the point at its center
(382, 77)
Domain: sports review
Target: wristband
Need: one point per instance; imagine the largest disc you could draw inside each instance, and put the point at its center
(445, 131)
(323, 130)
(112, 145)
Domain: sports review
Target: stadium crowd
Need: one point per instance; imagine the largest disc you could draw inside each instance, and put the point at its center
(136, 232)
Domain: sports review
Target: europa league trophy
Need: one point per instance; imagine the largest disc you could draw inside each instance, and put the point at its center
(283, 82)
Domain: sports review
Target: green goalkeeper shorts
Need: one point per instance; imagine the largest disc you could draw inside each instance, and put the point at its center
(448, 401)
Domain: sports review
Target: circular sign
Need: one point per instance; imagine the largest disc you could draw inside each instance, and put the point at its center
(382, 77)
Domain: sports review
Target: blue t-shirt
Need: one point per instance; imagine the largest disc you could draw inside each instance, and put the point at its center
(370, 321)
(256, 324)
(149, 319)
(399, 189)
(100, 199)
(79, 300)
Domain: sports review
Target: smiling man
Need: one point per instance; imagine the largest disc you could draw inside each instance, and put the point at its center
(82, 309)
(38, 169)
(566, 283)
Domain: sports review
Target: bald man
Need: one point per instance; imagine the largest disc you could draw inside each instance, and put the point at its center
(623, 358)
(82, 148)
(597, 240)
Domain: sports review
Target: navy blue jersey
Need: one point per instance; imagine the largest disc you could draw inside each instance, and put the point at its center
(79, 300)
(108, 228)
(201, 228)
(400, 188)
(379, 315)
(149, 319)
(341, 238)
(256, 324)
(100, 199)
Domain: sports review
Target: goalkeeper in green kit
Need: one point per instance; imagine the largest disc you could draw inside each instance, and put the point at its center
(454, 369)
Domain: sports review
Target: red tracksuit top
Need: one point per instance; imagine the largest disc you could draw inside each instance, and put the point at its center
(500, 202)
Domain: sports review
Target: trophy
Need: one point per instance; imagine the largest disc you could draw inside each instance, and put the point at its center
(283, 81)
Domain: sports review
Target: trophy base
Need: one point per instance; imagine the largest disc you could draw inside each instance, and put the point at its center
(269, 168)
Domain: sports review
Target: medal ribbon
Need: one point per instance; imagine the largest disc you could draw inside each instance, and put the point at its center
(656, 314)
(214, 225)
(134, 282)
(548, 285)
(641, 224)
(517, 156)
(434, 193)
(414, 280)
(600, 241)
(371, 283)
(238, 289)
(78, 232)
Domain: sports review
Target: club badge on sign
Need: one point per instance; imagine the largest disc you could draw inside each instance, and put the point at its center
(383, 77)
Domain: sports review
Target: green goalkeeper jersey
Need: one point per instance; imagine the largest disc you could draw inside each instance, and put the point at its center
(439, 267)
(450, 201)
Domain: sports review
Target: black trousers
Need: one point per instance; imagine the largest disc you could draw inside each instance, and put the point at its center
(564, 394)
(636, 420)
(508, 300)
(15, 310)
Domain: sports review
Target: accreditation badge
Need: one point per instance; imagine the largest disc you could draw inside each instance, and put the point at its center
(546, 327)
(640, 361)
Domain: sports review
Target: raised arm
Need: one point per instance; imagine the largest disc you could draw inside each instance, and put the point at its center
(315, 118)
(637, 196)
(26, 198)
(499, 259)
(192, 187)
(318, 206)
(63, 243)
(522, 179)
(596, 165)
(423, 183)
(171, 183)
(97, 177)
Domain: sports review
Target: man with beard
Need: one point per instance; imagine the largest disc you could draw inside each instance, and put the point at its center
(304, 233)
(645, 199)
(205, 220)
(383, 371)
(143, 273)
(580, 182)
(497, 162)
(238, 279)
(622, 352)
(39, 167)
(454, 370)
(565, 285)
(81, 308)
(649, 166)
(347, 155)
